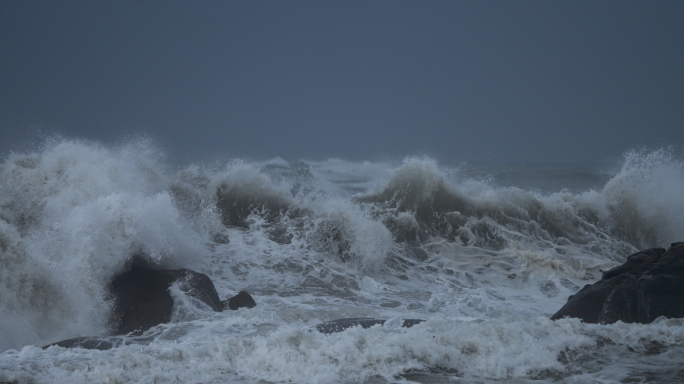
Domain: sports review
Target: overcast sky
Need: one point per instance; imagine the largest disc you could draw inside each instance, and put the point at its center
(513, 81)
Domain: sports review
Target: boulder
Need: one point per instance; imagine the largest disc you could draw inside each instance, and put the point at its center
(364, 322)
(241, 300)
(142, 299)
(648, 285)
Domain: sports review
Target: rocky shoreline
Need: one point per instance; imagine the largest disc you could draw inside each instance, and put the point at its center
(650, 284)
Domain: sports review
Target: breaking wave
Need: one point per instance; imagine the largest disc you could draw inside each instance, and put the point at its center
(330, 238)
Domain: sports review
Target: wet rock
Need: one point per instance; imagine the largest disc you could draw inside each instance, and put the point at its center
(648, 285)
(142, 299)
(99, 343)
(241, 300)
(85, 343)
(365, 322)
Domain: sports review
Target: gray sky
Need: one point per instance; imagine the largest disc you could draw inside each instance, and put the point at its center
(520, 81)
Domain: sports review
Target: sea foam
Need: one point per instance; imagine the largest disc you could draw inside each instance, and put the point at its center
(483, 261)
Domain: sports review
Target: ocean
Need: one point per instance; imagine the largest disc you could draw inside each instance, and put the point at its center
(485, 253)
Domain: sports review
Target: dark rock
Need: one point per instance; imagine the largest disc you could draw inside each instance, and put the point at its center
(104, 343)
(142, 299)
(85, 343)
(241, 300)
(99, 343)
(648, 256)
(365, 322)
(648, 285)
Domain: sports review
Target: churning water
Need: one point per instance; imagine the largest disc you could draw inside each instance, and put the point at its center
(484, 253)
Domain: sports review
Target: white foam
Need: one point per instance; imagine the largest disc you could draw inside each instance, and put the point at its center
(486, 271)
(73, 214)
(646, 199)
(493, 349)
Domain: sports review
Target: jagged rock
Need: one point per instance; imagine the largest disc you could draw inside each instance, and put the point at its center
(648, 285)
(142, 299)
(365, 322)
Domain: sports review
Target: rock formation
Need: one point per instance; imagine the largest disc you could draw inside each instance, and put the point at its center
(648, 285)
(142, 298)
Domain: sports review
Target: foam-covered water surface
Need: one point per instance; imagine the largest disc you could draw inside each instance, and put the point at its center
(484, 253)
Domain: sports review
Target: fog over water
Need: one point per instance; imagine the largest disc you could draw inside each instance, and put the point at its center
(471, 164)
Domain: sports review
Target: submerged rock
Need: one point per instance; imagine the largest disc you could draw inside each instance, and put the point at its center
(85, 343)
(99, 343)
(648, 285)
(365, 322)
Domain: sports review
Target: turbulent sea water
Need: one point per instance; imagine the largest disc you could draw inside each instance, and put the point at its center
(484, 253)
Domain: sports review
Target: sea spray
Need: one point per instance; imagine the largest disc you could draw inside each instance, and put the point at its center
(73, 215)
(485, 260)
